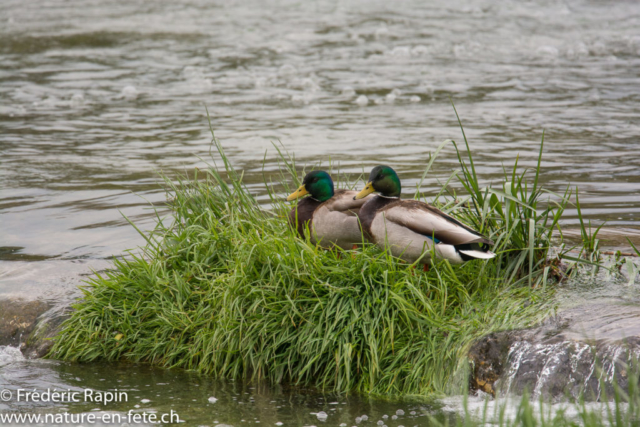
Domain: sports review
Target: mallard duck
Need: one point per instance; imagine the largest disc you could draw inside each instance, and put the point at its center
(409, 228)
(332, 216)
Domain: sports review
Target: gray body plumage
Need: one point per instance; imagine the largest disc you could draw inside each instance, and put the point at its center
(409, 228)
(332, 223)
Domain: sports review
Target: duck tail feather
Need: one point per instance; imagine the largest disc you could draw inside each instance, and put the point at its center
(477, 254)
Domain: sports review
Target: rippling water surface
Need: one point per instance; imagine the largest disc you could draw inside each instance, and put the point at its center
(197, 400)
(97, 97)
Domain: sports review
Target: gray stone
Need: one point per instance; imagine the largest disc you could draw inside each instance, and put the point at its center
(586, 351)
(29, 325)
(18, 319)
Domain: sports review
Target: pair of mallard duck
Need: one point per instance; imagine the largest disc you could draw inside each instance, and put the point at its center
(409, 228)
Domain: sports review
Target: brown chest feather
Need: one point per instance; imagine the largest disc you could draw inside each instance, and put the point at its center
(301, 216)
(370, 209)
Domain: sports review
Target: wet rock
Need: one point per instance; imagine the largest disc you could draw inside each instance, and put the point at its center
(564, 367)
(29, 325)
(18, 319)
(587, 350)
(488, 357)
(40, 340)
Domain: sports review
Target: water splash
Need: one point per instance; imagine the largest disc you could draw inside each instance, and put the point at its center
(554, 369)
(10, 355)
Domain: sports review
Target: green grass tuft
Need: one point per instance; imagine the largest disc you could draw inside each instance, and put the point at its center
(227, 288)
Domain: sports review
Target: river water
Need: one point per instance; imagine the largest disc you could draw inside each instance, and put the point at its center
(97, 98)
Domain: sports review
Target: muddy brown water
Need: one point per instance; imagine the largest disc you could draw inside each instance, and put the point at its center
(96, 98)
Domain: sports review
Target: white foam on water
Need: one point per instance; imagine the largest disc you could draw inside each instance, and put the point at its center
(547, 52)
(77, 100)
(9, 355)
(419, 50)
(287, 70)
(476, 405)
(348, 91)
(400, 51)
(129, 93)
(362, 100)
(382, 32)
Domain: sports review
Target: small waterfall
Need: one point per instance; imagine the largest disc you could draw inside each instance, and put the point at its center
(566, 368)
(583, 351)
(514, 358)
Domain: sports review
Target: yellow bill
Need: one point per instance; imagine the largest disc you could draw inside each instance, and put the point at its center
(368, 189)
(301, 191)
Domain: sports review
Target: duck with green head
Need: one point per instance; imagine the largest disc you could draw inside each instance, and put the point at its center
(332, 216)
(409, 228)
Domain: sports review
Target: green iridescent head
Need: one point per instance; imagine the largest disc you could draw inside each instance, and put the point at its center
(318, 184)
(383, 180)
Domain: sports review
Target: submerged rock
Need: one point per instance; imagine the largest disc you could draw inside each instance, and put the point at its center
(29, 325)
(18, 319)
(588, 350)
